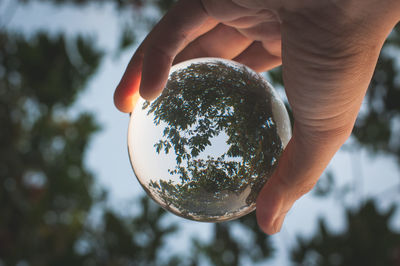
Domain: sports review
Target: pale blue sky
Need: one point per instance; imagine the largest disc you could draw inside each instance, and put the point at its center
(108, 156)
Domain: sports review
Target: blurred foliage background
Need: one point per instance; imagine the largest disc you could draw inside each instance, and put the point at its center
(47, 192)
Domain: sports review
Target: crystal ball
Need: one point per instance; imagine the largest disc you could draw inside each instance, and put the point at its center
(206, 146)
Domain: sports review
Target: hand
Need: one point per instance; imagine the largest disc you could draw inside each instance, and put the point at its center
(328, 50)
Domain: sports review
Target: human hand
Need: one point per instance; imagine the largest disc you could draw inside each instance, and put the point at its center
(329, 51)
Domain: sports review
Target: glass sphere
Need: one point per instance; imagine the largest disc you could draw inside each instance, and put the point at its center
(206, 146)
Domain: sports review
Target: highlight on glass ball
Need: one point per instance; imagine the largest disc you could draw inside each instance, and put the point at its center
(206, 146)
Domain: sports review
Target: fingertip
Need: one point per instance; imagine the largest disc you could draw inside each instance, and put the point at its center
(149, 93)
(174, 31)
(125, 103)
(267, 212)
(126, 94)
(270, 217)
(267, 228)
(156, 67)
(274, 200)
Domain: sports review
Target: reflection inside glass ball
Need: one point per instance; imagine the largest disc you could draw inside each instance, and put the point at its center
(205, 147)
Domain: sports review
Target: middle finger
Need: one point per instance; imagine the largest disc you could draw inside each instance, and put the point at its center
(223, 41)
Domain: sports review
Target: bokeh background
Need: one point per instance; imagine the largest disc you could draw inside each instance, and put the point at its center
(68, 195)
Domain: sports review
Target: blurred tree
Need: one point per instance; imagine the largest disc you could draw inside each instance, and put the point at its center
(367, 240)
(45, 189)
(226, 249)
(127, 240)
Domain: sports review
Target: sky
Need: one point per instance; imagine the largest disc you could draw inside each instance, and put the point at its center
(108, 159)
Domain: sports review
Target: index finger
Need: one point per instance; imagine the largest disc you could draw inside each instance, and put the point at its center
(150, 65)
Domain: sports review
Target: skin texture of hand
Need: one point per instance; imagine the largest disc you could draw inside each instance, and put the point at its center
(328, 50)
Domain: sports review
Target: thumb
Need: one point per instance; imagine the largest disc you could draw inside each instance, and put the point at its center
(300, 166)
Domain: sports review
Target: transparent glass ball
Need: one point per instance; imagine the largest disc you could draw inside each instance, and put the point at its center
(206, 146)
